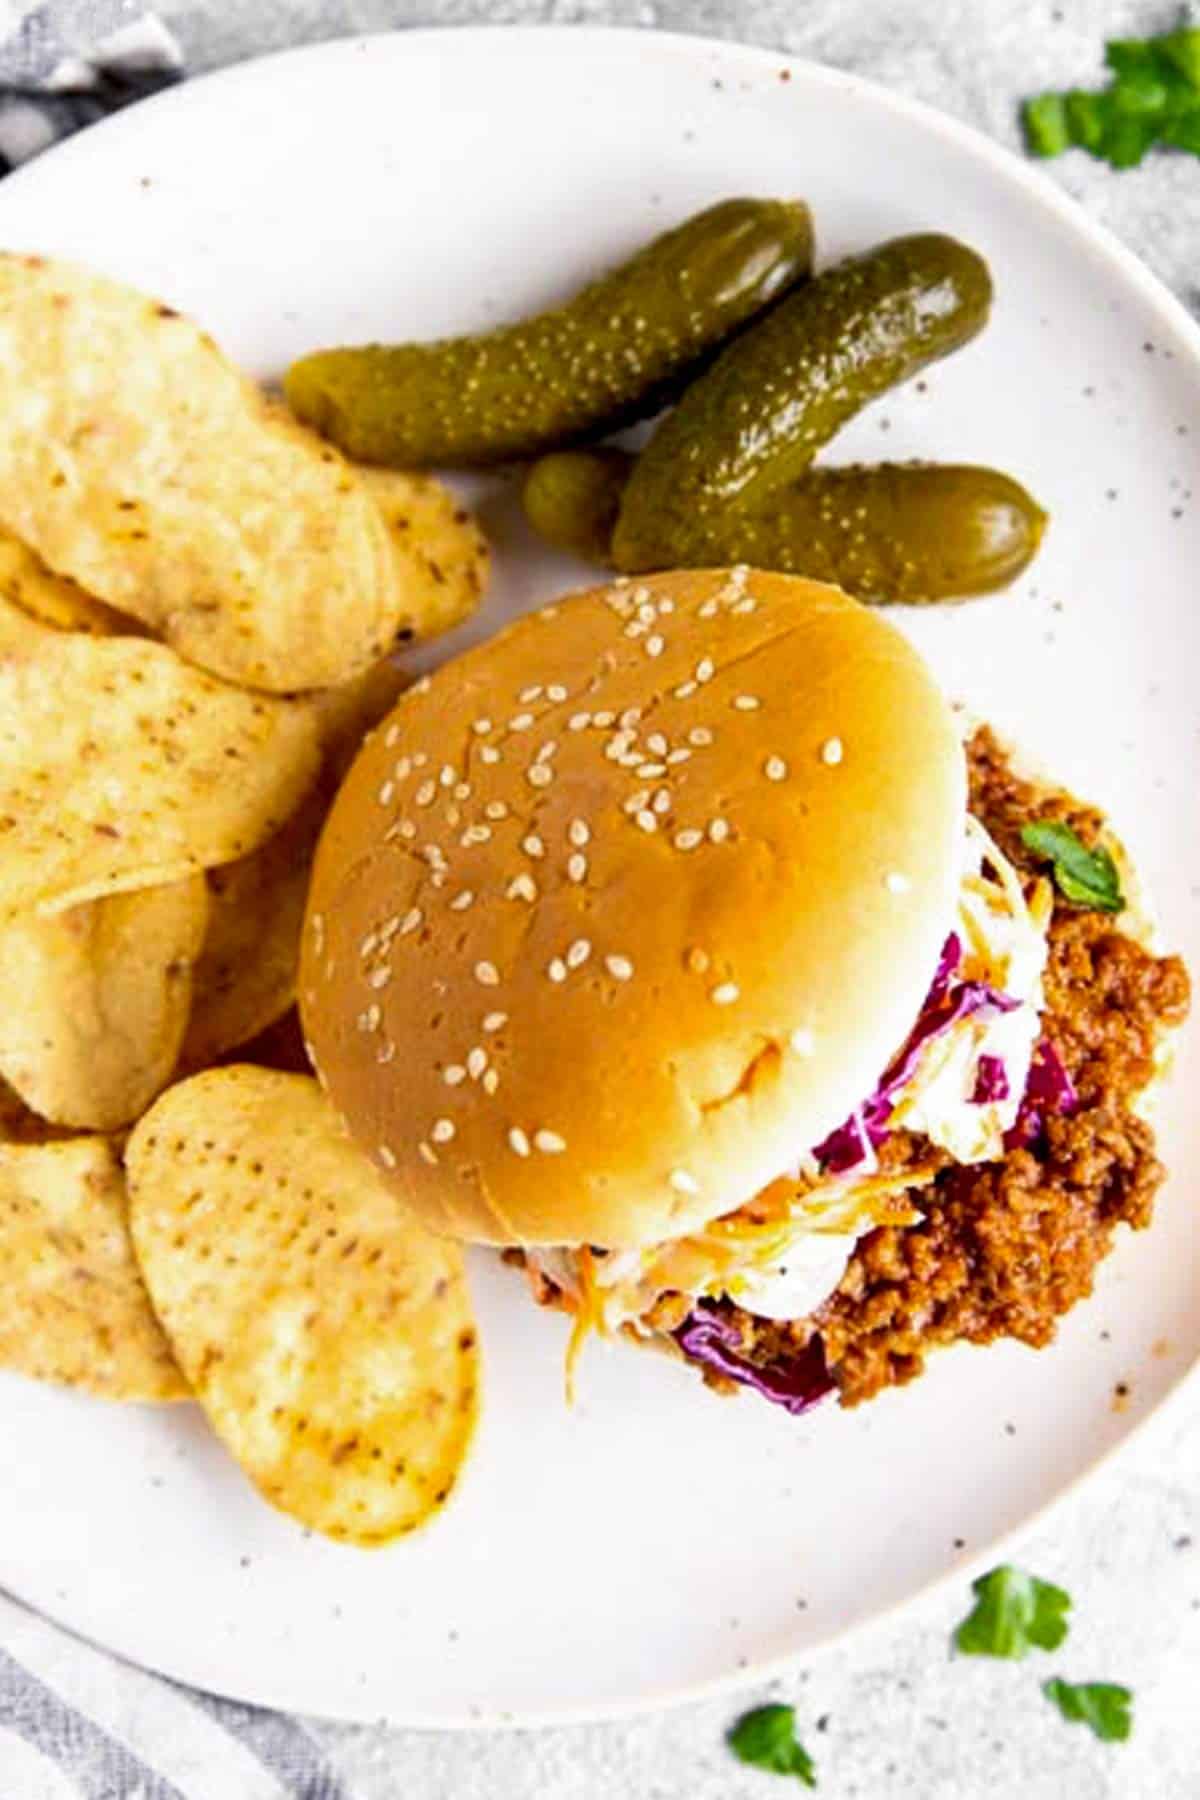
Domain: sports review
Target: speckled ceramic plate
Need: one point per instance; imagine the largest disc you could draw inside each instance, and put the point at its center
(656, 1541)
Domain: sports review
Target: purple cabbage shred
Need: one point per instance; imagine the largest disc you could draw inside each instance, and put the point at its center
(1048, 1090)
(991, 1081)
(794, 1382)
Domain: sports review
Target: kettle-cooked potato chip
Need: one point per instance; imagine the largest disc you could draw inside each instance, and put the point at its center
(441, 553)
(137, 460)
(327, 1335)
(121, 767)
(94, 1002)
(20, 632)
(20, 1125)
(28, 583)
(246, 975)
(75, 1306)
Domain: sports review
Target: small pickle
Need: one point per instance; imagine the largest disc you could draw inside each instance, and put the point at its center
(572, 497)
(783, 388)
(616, 352)
(907, 532)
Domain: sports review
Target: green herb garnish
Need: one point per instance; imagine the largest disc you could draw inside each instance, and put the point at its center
(1087, 877)
(1013, 1614)
(766, 1738)
(1100, 1704)
(1153, 98)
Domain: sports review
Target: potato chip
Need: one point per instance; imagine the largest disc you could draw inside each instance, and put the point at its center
(20, 1125)
(345, 714)
(94, 1002)
(246, 975)
(327, 1335)
(138, 461)
(20, 632)
(75, 1306)
(28, 583)
(121, 767)
(440, 551)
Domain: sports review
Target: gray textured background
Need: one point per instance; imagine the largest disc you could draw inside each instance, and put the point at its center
(889, 1717)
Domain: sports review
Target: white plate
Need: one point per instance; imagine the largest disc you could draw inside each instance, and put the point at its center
(656, 1541)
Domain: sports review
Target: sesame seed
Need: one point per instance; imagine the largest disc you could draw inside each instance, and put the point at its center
(532, 845)
(707, 611)
(635, 629)
(477, 1062)
(700, 736)
(475, 834)
(698, 961)
(725, 993)
(548, 749)
(831, 751)
(369, 945)
(647, 612)
(630, 717)
(685, 690)
(803, 1043)
(549, 1143)
(604, 719)
(687, 840)
(705, 669)
(406, 829)
(384, 1054)
(661, 803)
(896, 883)
(657, 743)
(462, 790)
(495, 809)
(579, 721)
(577, 867)
(579, 833)
(557, 693)
(481, 727)
(386, 792)
(454, 1075)
(403, 769)
(746, 702)
(556, 969)
(636, 801)
(530, 693)
(631, 760)
(317, 923)
(369, 1020)
(387, 1156)
(539, 775)
(425, 793)
(646, 820)
(453, 816)
(427, 1153)
(443, 1131)
(423, 686)
(495, 1021)
(419, 757)
(718, 830)
(390, 736)
(487, 974)
(518, 1141)
(578, 953)
(462, 900)
(522, 887)
(448, 775)
(683, 1183)
(520, 721)
(655, 644)
(775, 769)
(489, 754)
(379, 978)
(491, 1081)
(652, 770)
(678, 756)
(619, 967)
(745, 606)
(411, 920)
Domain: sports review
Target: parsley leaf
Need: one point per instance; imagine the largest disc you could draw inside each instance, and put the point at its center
(1013, 1613)
(1087, 877)
(1100, 1704)
(766, 1738)
(1153, 98)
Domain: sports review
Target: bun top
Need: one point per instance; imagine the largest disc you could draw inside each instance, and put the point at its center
(619, 913)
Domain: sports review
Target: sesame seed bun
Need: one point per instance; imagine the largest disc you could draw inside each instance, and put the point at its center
(576, 973)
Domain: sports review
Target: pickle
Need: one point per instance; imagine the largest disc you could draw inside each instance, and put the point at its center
(616, 352)
(759, 415)
(572, 497)
(907, 532)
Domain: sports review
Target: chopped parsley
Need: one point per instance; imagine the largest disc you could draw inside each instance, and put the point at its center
(1102, 1705)
(1013, 1614)
(766, 1739)
(1086, 877)
(1152, 98)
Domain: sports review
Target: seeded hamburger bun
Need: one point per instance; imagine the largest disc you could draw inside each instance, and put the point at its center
(576, 973)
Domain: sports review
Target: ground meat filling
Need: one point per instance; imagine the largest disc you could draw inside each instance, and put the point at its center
(1006, 1248)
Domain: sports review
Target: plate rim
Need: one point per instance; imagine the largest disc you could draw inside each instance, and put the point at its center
(1033, 185)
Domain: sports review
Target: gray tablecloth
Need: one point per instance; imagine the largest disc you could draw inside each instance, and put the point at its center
(890, 1717)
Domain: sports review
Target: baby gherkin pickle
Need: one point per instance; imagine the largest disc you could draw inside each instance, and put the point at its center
(781, 390)
(909, 532)
(616, 352)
